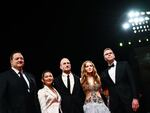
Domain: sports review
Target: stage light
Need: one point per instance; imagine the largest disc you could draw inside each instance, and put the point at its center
(129, 43)
(135, 42)
(126, 25)
(138, 20)
(140, 41)
(120, 44)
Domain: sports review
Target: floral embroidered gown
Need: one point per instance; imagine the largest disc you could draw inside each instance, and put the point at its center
(94, 103)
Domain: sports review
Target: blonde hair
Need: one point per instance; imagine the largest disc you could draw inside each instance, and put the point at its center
(84, 74)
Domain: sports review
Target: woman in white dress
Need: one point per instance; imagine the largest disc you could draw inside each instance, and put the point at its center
(91, 84)
(48, 96)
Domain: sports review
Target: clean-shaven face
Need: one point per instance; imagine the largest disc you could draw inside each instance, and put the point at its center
(17, 61)
(89, 67)
(109, 56)
(65, 65)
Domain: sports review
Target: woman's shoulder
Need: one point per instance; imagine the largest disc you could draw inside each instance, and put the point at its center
(42, 90)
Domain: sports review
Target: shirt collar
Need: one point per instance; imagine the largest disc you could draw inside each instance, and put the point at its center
(65, 75)
(114, 62)
(17, 71)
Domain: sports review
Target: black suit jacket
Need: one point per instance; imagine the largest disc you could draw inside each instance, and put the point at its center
(14, 95)
(124, 89)
(71, 103)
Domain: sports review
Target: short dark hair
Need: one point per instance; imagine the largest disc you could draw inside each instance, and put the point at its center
(14, 52)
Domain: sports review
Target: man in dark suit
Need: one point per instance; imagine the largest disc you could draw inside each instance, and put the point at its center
(119, 79)
(69, 87)
(18, 93)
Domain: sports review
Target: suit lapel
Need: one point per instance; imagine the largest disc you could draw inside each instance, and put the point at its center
(75, 84)
(32, 83)
(49, 91)
(108, 77)
(17, 78)
(118, 66)
(14, 73)
(62, 85)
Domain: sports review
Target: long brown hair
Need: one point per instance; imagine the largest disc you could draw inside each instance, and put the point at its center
(84, 73)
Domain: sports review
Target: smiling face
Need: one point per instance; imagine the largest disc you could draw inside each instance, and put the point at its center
(17, 61)
(47, 78)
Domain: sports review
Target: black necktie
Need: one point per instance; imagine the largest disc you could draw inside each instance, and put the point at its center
(111, 66)
(22, 78)
(68, 83)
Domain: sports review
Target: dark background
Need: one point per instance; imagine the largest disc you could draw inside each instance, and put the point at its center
(45, 31)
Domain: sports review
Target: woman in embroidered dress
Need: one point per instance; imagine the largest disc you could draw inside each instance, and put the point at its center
(91, 84)
(48, 96)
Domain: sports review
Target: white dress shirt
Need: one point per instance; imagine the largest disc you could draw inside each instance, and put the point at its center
(112, 72)
(64, 78)
(24, 76)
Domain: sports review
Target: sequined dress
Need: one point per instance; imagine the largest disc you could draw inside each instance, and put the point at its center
(95, 103)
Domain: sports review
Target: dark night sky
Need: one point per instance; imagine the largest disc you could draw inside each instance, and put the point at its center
(46, 31)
